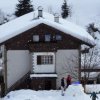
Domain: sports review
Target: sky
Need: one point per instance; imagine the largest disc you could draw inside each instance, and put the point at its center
(83, 12)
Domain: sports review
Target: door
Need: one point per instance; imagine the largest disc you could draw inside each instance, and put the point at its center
(48, 84)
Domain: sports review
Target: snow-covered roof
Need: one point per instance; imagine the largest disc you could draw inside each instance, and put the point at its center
(43, 75)
(30, 20)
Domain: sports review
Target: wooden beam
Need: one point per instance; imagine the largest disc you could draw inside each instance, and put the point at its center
(4, 58)
(79, 63)
(90, 70)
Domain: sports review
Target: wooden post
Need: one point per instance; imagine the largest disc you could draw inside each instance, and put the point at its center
(4, 58)
(55, 54)
(79, 63)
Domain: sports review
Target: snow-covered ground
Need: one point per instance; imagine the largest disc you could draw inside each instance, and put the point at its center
(93, 87)
(74, 92)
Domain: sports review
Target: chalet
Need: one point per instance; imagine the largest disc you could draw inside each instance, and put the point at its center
(41, 48)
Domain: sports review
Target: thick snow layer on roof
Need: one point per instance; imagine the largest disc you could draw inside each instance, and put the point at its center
(43, 75)
(30, 20)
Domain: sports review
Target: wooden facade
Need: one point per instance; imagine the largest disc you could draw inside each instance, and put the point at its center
(24, 41)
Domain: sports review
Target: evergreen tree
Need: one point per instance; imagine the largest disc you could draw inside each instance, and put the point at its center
(23, 7)
(65, 10)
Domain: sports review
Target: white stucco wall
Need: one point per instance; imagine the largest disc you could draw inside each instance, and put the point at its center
(48, 68)
(66, 63)
(18, 64)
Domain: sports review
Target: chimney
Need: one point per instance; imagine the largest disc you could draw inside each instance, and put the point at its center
(56, 17)
(40, 11)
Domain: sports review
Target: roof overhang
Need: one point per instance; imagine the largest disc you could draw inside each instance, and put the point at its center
(26, 22)
(42, 75)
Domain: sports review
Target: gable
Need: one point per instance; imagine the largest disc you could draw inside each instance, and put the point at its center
(26, 22)
(24, 41)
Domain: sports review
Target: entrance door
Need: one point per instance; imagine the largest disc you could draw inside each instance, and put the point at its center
(48, 85)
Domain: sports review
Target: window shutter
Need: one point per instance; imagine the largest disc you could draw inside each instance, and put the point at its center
(38, 60)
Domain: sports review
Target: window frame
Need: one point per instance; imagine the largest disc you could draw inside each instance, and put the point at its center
(47, 37)
(58, 37)
(45, 59)
(36, 38)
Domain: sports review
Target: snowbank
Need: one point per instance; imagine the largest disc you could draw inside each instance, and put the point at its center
(93, 88)
(76, 92)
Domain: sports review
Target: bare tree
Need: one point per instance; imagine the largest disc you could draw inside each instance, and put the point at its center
(70, 65)
(91, 59)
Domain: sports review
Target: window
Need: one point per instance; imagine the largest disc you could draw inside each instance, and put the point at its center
(47, 37)
(58, 37)
(38, 60)
(0, 54)
(36, 38)
(44, 59)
